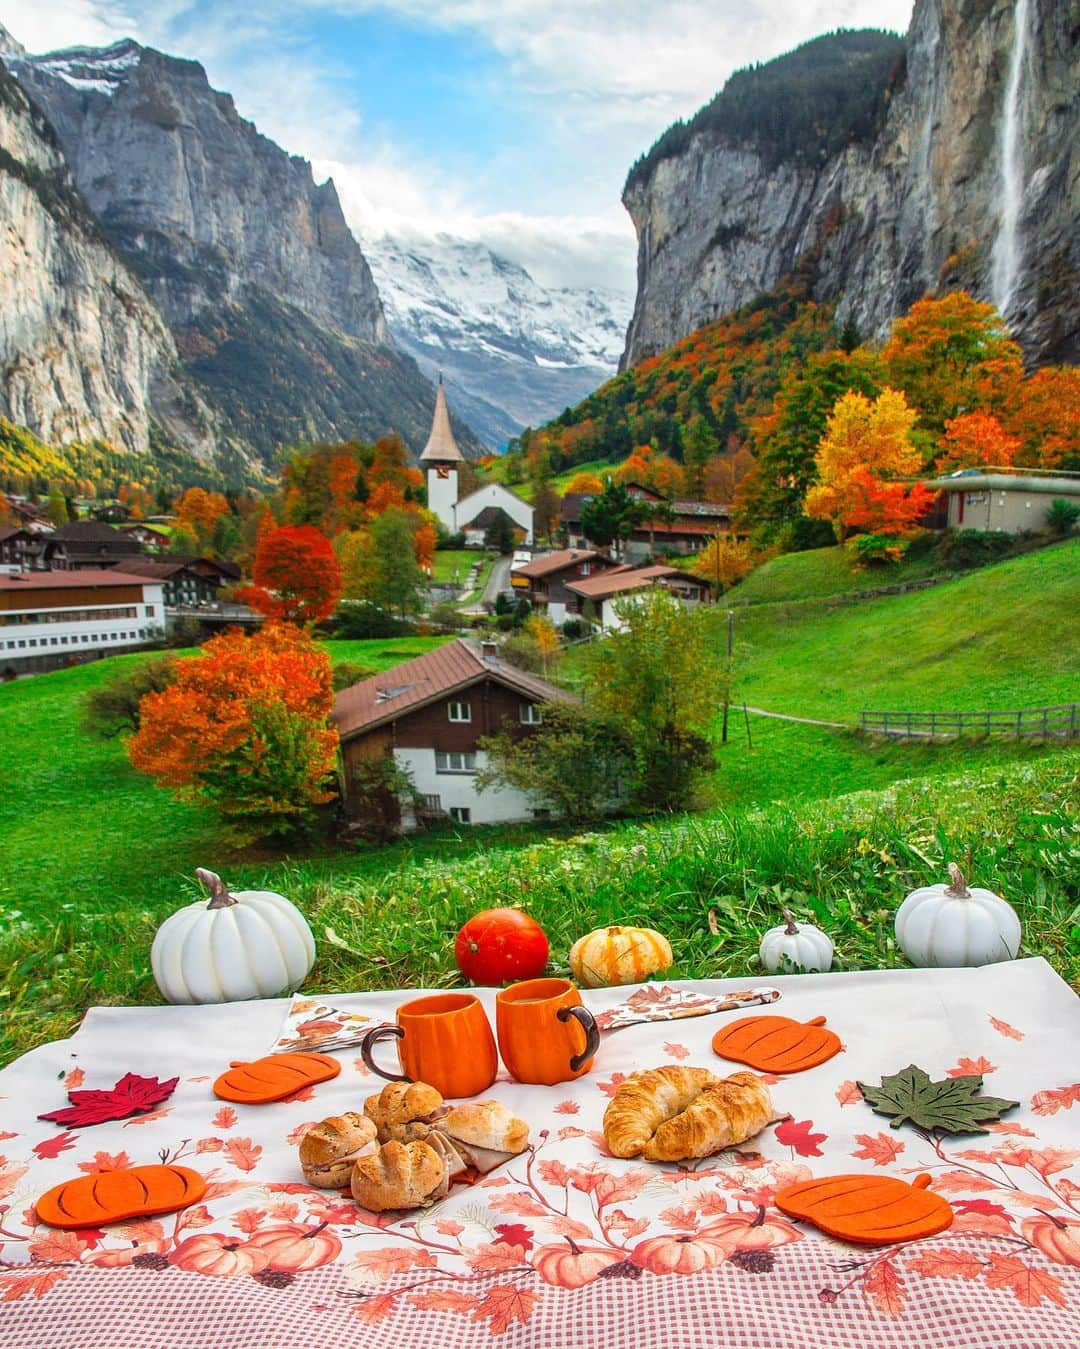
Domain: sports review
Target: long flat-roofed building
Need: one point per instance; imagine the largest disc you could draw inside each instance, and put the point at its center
(49, 619)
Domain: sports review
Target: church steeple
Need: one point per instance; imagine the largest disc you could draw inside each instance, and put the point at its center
(441, 447)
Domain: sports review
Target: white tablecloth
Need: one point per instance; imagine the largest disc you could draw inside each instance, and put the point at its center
(567, 1246)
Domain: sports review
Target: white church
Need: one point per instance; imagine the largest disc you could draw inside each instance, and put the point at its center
(442, 459)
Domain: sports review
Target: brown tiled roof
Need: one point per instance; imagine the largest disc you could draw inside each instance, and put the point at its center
(549, 562)
(77, 578)
(88, 531)
(8, 531)
(620, 581)
(385, 697)
(163, 570)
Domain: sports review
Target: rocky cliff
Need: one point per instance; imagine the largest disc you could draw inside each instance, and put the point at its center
(961, 170)
(268, 295)
(84, 352)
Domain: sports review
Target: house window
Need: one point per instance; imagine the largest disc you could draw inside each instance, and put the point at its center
(460, 711)
(462, 814)
(453, 762)
(586, 569)
(148, 610)
(530, 715)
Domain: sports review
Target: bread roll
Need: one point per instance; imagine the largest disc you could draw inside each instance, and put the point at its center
(671, 1114)
(486, 1124)
(327, 1151)
(399, 1106)
(399, 1176)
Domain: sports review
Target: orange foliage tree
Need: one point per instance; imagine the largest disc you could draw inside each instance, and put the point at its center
(245, 729)
(724, 560)
(866, 445)
(198, 511)
(586, 484)
(976, 440)
(1045, 414)
(297, 576)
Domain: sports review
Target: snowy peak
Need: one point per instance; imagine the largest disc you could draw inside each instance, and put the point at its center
(8, 46)
(90, 70)
(513, 351)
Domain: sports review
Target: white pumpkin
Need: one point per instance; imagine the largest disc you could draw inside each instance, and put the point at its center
(798, 945)
(254, 944)
(941, 926)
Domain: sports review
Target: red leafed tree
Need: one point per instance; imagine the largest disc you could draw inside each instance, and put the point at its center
(297, 576)
(976, 440)
(244, 727)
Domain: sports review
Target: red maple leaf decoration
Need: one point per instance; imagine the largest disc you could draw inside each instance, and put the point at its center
(131, 1095)
(515, 1234)
(798, 1136)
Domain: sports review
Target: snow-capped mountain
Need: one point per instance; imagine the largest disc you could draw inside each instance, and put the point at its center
(513, 353)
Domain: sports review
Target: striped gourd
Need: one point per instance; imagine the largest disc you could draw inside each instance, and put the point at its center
(619, 955)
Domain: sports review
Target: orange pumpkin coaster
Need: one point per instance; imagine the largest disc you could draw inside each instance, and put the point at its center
(873, 1210)
(274, 1077)
(776, 1044)
(112, 1196)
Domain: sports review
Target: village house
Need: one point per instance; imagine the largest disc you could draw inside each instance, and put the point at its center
(604, 592)
(1012, 502)
(151, 537)
(88, 543)
(52, 619)
(187, 581)
(544, 581)
(430, 714)
(19, 548)
(679, 526)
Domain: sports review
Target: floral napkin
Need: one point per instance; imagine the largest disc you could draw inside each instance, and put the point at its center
(315, 1027)
(661, 1002)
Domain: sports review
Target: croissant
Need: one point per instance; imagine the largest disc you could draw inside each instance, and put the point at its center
(400, 1175)
(402, 1110)
(327, 1151)
(672, 1113)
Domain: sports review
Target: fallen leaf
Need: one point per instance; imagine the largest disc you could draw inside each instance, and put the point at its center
(131, 1095)
(247, 1220)
(612, 1085)
(446, 1227)
(296, 1136)
(225, 1118)
(243, 1153)
(496, 1257)
(284, 1211)
(676, 1051)
(684, 1216)
(554, 1173)
(953, 1105)
(1060, 1098)
(210, 1145)
(567, 1108)
(798, 1137)
(503, 1305)
(196, 1216)
(1003, 1028)
(885, 1288)
(74, 1079)
(945, 1263)
(970, 1067)
(1049, 1161)
(148, 1118)
(878, 1148)
(848, 1093)
(58, 1247)
(1031, 1286)
(53, 1147)
(445, 1300)
(34, 1284)
(1008, 1126)
(377, 1308)
(374, 1267)
(104, 1161)
(956, 1182)
(570, 1227)
(515, 1234)
(519, 1204)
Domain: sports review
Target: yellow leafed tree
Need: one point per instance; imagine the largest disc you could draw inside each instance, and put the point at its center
(724, 560)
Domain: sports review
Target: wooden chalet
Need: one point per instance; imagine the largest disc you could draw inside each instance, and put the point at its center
(429, 714)
(186, 581)
(88, 543)
(545, 580)
(604, 591)
(681, 525)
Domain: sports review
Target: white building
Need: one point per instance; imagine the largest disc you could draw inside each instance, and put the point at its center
(607, 591)
(443, 460)
(49, 619)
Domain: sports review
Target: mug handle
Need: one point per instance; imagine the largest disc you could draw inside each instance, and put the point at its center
(368, 1043)
(589, 1026)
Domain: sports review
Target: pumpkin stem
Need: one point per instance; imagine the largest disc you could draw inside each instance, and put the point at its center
(760, 1216)
(315, 1231)
(219, 891)
(792, 928)
(574, 1247)
(921, 1182)
(957, 886)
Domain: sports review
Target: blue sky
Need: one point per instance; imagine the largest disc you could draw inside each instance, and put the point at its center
(509, 121)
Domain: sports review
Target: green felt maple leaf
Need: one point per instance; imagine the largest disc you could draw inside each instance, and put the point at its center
(953, 1105)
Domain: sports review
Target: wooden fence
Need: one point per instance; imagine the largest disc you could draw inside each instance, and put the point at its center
(1032, 723)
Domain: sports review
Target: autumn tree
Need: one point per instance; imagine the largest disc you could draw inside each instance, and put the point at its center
(297, 576)
(244, 728)
(197, 512)
(950, 356)
(724, 561)
(540, 629)
(976, 440)
(866, 446)
(356, 553)
(659, 677)
(584, 484)
(1045, 414)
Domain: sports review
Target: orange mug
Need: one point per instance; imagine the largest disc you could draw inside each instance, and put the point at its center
(444, 1040)
(545, 1034)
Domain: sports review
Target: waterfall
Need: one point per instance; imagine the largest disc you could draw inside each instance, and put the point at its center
(1008, 254)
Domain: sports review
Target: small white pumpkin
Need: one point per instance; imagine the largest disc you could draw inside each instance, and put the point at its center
(943, 926)
(796, 945)
(254, 944)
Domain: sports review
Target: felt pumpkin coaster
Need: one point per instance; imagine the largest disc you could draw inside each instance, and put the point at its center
(776, 1044)
(872, 1210)
(274, 1077)
(114, 1196)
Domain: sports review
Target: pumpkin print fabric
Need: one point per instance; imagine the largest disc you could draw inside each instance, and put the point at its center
(565, 1242)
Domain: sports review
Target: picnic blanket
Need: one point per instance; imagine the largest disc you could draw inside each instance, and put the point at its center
(566, 1247)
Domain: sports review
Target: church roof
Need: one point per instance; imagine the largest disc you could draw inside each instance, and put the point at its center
(441, 447)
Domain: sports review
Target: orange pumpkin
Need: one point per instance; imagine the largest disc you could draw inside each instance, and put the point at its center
(750, 1231)
(679, 1255)
(221, 1256)
(776, 1044)
(619, 955)
(111, 1196)
(292, 1247)
(1058, 1240)
(573, 1266)
(274, 1077)
(872, 1210)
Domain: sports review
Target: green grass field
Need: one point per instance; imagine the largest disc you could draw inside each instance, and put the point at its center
(821, 572)
(453, 564)
(496, 472)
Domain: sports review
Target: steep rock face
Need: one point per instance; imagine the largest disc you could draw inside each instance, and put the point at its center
(271, 301)
(920, 206)
(84, 352)
(513, 353)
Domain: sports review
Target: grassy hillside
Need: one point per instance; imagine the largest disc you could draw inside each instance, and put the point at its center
(1005, 637)
(821, 572)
